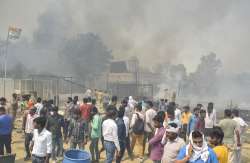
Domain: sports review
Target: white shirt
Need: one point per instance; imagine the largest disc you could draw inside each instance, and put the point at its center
(42, 143)
(39, 107)
(177, 113)
(242, 125)
(210, 120)
(29, 123)
(109, 132)
(126, 122)
(149, 115)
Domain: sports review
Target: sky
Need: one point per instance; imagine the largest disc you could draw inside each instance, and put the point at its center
(157, 32)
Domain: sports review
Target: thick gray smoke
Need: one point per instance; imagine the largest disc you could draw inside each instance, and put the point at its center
(157, 32)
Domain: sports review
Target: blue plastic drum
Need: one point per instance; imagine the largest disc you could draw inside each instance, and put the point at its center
(76, 156)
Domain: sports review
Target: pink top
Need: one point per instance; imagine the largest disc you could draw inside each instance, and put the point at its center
(156, 146)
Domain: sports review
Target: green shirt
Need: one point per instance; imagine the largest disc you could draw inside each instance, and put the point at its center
(228, 126)
(96, 126)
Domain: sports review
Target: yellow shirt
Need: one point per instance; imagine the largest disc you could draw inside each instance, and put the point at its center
(185, 117)
(221, 153)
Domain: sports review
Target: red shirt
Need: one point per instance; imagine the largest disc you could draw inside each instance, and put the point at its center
(85, 111)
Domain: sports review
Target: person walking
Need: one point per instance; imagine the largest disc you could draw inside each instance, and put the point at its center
(110, 134)
(230, 129)
(28, 130)
(55, 124)
(5, 131)
(197, 150)
(76, 131)
(172, 143)
(95, 135)
(149, 124)
(155, 142)
(137, 125)
(41, 145)
(121, 133)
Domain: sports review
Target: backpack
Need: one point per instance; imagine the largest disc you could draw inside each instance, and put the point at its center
(138, 127)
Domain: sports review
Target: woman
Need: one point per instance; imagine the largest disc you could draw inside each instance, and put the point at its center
(197, 151)
(155, 142)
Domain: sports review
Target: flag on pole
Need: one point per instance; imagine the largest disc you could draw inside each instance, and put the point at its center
(14, 33)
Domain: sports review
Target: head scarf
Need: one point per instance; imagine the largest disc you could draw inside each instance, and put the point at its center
(172, 129)
(198, 152)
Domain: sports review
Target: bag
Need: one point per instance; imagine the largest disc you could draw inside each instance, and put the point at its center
(138, 127)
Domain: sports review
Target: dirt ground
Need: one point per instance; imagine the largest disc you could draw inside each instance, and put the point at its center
(18, 148)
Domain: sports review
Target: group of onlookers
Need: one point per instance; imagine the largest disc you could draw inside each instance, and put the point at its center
(161, 131)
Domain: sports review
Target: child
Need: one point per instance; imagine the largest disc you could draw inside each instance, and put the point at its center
(215, 140)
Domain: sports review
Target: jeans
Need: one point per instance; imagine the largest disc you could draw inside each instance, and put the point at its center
(66, 128)
(110, 151)
(28, 139)
(5, 141)
(122, 150)
(36, 159)
(57, 148)
(93, 147)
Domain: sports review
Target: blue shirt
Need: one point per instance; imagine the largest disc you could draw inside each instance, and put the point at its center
(191, 124)
(5, 124)
(211, 158)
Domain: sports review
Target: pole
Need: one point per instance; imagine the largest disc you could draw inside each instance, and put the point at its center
(5, 64)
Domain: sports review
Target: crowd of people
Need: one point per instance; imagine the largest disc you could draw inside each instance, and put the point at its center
(162, 131)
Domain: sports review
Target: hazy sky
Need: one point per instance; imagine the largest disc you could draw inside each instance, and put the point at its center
(161, 31)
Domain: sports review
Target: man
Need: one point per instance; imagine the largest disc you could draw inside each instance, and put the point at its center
(5, 131)
(68, 115)
(162, 105)
(230, 129)
(76, 132)
(41, 145)
(28, 128)
(110, 134)
(216, 141)
(121, 133)
(3, 102)
(200, 125)
(127, 139)
(14, 107)
(210, 120)
(243, 127)
(193, 120)
(95, 135)
(172, 143)
(85, 109)
(137, 125)
(38, 105)
(105, 100)
(171, 116)
(149, 124)
(184, 121)
(197, 151)
(55, 124)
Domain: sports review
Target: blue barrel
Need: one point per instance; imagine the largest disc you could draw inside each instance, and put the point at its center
(76, 156)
